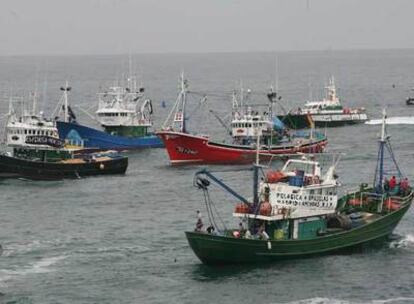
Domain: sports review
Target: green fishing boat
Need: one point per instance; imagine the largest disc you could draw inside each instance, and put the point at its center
(296, 212)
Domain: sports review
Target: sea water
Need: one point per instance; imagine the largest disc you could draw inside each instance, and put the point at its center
(120, 239)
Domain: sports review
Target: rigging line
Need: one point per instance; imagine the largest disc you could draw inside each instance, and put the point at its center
(210, 212)
(236, 169)
(215, 209)
(389, 147)
(207, 208)
(210, 93)
(198, 107)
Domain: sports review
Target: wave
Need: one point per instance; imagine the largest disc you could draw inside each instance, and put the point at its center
(109, 249)
(320, 300)
(21, 248)
(41, 266)
(403, 242)
(398, 120)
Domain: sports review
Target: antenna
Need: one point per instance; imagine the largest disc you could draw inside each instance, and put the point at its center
(44, 93)
(277, 74)
(384, 117)
(241, 93)
(65, 89)
(34, 96)
(310, 95)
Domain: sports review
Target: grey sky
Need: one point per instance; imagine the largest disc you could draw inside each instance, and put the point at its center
(122, 26)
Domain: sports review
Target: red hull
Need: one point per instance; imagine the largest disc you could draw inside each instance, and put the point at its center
(185, 148)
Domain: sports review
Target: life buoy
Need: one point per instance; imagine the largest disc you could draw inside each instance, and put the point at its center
(274, 176)
(241, 208)
(355, 202)
(265, 209)
(391, 204)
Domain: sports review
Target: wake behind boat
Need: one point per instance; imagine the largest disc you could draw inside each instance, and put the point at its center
(295, 213)
(247, 125)
(397, 120)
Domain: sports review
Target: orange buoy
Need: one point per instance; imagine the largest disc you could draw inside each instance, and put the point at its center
(274, 176)
(355, 202)
(265, 209)
(392, 205)
(241, 208)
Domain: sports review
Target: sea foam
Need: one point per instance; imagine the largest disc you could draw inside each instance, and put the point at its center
(398, 120)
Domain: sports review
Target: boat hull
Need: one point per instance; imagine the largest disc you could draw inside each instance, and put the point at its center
(100, 140)
(185, 148)
(13, 167)
(302, 121)
(214, 249)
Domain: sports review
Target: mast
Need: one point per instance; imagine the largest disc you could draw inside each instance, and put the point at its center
(177, 113)
(241, 94)
(256, 171)
(65, 90)
(34, 102)
(183, 100)
(66, 102)
(379, 183)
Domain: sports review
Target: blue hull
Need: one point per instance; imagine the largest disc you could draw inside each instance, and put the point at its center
(101, 140)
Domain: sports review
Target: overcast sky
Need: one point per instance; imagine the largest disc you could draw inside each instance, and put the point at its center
(148, 26)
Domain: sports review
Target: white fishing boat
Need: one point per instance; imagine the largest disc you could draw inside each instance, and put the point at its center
(328, 112)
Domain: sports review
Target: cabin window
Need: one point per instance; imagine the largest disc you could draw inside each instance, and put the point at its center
(25, 131)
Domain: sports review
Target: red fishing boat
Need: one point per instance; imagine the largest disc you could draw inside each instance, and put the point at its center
(247, 124)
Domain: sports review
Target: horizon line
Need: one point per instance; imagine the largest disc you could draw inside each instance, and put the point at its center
(205, 52)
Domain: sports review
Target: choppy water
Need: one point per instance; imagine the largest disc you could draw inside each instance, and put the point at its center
(121, 239)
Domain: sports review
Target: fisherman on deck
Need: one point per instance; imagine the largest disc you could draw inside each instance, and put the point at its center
(199, 224)
(392, 182)
(242, 230)
(210, 229)
(404, 186)
(262, 233)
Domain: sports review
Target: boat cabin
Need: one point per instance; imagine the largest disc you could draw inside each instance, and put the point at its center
(30, 131)
(247, 126)
(293, 199)
(121, 108)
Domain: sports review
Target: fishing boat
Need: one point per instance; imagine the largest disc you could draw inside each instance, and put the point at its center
(328, 112)
(410, 100)
(247, 124)
(296, 212)
(125, 115)
(39, 153)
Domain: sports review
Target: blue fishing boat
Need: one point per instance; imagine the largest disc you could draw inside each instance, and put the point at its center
(124, 113)
(101, 140)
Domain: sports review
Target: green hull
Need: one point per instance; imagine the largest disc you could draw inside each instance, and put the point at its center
(214, 249)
